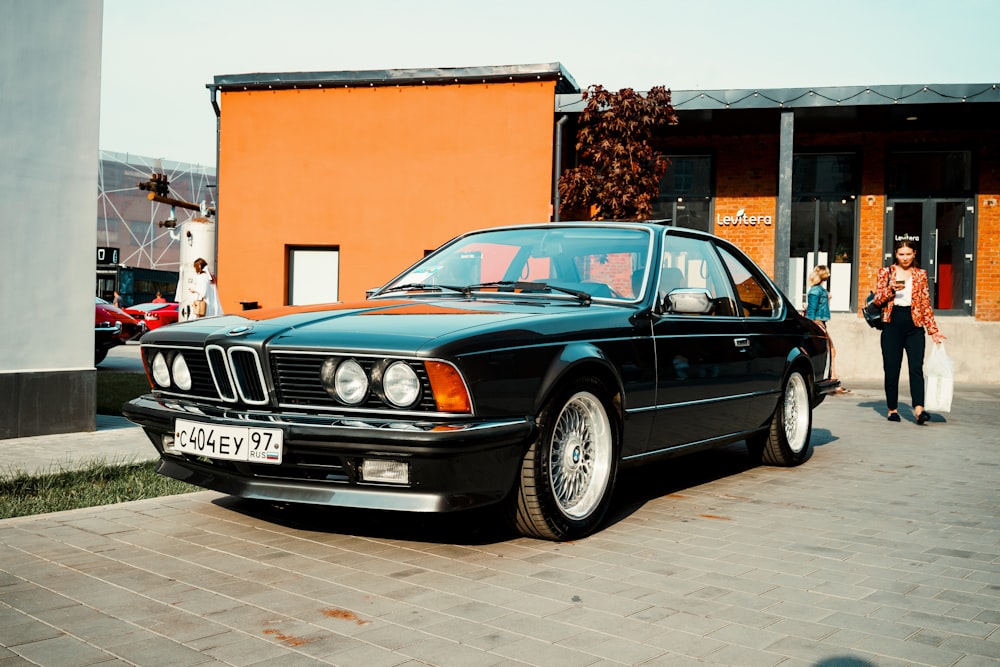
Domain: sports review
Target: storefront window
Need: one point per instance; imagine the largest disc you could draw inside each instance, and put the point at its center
(824, 210)
(686, 192)
(929, 174)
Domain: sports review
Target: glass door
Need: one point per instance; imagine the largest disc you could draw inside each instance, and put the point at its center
(824, 220)
(942, 230)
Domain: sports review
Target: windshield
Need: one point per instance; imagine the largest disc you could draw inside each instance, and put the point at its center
(602, 262)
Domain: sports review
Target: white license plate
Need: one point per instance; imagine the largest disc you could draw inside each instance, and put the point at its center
(232, 443)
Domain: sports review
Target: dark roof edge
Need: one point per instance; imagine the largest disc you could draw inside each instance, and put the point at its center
(399, 77)
(790, 98)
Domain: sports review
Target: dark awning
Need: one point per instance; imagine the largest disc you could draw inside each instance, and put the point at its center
(790, 98)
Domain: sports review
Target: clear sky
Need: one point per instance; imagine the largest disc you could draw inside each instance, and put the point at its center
(158, 56)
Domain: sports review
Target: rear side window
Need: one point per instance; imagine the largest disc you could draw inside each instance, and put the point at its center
(754, 296)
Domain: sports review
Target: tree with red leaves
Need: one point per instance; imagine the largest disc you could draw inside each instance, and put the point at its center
(619, 171)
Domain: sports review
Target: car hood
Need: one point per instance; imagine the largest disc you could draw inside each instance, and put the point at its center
(406, 326)
(108, 311)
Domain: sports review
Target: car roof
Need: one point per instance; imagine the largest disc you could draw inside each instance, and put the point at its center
(651, 225)
(633, 224)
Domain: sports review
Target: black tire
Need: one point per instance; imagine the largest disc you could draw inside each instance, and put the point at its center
(568, 474)
(99, 356)
(787, 439)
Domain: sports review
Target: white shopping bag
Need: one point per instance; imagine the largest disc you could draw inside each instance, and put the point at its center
(939, 381)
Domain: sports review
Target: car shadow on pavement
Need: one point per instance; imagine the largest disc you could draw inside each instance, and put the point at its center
(635, 488)
(639, 486)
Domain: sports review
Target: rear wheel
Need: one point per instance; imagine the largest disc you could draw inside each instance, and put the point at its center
(786, 442)
(568, 473)
(100, 355)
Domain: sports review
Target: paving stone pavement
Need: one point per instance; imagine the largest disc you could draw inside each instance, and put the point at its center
(883, 549)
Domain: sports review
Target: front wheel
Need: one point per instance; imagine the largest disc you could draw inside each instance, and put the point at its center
(568, 473)
(787, 440)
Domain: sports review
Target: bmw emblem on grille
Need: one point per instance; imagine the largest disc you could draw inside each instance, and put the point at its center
(239, 331)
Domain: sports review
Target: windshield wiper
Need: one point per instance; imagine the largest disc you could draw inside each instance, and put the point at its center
(501, 285)
(530, 286)
(422, 286)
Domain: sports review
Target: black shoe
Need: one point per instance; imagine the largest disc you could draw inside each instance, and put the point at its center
(923, 418)
(894, 417)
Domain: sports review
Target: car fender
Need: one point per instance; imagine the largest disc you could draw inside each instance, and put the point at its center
(820, 383)
(798, 356)
(799, 359)
(577, 358)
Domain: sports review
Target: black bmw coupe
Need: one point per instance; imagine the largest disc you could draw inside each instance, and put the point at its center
(521, 365)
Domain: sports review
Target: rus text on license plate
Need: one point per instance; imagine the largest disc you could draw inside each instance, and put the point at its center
(233, 443)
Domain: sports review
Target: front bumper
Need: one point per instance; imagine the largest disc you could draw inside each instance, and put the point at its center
(106, 338)
(452, 465)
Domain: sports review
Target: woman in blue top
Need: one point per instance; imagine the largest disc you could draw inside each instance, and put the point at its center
(818, 310)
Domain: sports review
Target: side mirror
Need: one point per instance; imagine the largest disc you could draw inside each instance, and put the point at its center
(688, 301)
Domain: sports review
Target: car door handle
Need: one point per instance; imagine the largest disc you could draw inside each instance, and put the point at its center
(741, 342)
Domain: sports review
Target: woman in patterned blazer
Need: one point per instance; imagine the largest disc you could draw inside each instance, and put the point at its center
(903, 292)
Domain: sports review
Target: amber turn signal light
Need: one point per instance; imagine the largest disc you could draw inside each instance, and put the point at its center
(449, 390)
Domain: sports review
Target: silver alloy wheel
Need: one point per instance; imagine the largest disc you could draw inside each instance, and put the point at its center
(795, 419)
(580, 456)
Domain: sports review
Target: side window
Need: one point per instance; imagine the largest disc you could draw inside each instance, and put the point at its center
(693, 263)
(755, 298)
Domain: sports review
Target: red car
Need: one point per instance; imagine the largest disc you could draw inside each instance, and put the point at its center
(112, 326)
(153, 315)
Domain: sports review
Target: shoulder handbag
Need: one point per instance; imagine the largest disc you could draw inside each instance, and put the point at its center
(872, 312)
(200, 307)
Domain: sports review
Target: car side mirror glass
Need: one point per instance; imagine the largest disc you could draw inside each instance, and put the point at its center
(688, 301)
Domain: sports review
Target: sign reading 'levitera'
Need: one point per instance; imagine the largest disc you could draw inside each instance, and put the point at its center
(741, 218)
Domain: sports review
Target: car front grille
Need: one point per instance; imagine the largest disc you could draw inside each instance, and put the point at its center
(237, 372)
(220, 373)
(201, 375)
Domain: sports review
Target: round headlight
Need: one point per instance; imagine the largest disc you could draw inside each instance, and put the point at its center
(182, 376)
(345, 380)
(161, 375)
(400, 384)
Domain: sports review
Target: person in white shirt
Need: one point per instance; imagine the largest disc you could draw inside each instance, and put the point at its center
(204, 289)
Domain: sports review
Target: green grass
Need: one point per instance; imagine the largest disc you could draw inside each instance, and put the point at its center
(100, 483)
(116, 387)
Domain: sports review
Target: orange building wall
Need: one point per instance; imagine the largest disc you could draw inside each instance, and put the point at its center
(383, 172)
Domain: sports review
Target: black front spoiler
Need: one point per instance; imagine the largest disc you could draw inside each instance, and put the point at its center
(452, 465)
